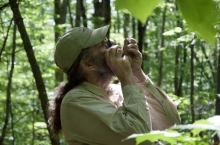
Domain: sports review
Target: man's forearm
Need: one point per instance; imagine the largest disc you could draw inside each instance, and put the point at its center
(139, 75)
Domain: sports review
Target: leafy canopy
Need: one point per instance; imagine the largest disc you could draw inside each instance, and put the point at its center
(200, 15)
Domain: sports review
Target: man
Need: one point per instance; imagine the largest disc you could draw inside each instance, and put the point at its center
(90, 110)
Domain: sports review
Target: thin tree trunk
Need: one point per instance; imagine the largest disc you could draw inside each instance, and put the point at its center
(13, 60)
(83, 14)
(126, 25)
(33, 63)
(160, 71)
(33, 129)
(217, 109)
(179, 66)
(202, 68)
(118, 22)
(98, 13)
(140, 38)
(182, 73)
(8, 95)
(80, 12)
(217, 102)
(5, 40)
(192, 82)
(70, 13)
(176, 80)
(208, 61)
(60, 11)
(133, 27)
(107, 14)
(141, 34)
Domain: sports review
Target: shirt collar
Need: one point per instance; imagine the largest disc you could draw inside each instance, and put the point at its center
(94, 89)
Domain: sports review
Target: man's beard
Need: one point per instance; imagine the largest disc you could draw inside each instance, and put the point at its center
(103, 70)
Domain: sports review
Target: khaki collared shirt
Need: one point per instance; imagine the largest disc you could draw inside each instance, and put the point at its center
(91, 115)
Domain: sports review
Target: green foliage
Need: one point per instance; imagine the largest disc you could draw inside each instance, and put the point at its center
(173, 137)
(201, 16)
(26, 120)
(141, 9)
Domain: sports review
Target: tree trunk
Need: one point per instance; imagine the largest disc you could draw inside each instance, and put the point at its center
(133, 27)
(70, 13)
(8, 95)
(179, 65)
(217, 109)
(176, 80)
(141, 34)
(126, 25)
(217, 102)
(107, 14)
(33, 63)
(192, 82)
(5, 40)
(118, 22)
(182, 73)
(83, 13)
(12, 67)
(60, 10)
(80, 12)
(102, 10)
(98, 13)
(160, 71)
(208, 61)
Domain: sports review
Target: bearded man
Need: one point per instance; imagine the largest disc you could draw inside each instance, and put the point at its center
(91, 111)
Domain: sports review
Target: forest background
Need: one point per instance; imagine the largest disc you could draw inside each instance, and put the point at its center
(179, 55)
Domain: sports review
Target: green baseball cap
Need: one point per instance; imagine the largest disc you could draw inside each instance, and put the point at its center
(71, 43)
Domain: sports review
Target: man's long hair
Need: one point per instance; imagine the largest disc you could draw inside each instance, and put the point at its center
(75, 76)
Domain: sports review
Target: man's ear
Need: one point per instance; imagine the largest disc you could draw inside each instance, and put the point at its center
(86, 66)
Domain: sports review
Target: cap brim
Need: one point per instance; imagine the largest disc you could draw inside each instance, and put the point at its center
(96, 36)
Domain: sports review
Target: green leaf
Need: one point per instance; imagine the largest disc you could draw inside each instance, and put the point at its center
(201, 16)
(140, 9)
(156, 135)
(196, 131)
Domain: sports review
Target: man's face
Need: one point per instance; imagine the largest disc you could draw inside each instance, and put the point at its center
(98, 59)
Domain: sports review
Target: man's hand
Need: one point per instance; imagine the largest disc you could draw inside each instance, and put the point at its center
(120, 65)
(134, 56)
(132, 52)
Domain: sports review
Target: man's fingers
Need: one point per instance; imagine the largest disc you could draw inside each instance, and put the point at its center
(112, 53)
(134, 52)
(119, 53)
(132, 46)
(130, 41)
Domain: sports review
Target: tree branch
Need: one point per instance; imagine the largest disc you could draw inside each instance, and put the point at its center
(3, 6)
(5, 40)
(8, 96)
(208, 61)
(33, 63)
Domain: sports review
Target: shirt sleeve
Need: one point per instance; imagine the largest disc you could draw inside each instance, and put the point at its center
(169, 107)
(92, 119)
